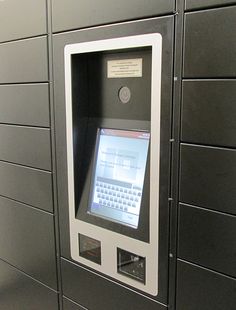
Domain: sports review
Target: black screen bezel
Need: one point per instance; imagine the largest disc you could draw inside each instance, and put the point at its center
(142, 232)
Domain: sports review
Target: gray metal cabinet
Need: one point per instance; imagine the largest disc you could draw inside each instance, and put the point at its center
(69, 305)
(208, 112)
(28, 185)
(21, 19)
(196, 4)
(26, 145)
(25, 104)
(27, 240)
(74, 14)
(24, 61)
(80, 285)
(199, 288)
(210, 43)
(207, 238)
(207, 177)
(19, 291)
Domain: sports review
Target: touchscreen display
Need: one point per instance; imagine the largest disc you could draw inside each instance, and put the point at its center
(118, 175)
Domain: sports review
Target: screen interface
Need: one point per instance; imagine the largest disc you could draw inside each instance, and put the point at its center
(119, 172)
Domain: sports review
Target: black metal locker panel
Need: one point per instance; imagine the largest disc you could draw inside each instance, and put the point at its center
(24, 61)
(24, 104)
(98, 293)
(210, 43)
(198, 4)
(74, 14)
(69, 305)
(28, 146)
(207, 177)
(21, 292)
(164, 26)
(207, 238)
(28, 185)
(208, 112)
(15, 24)
(27, 240)
(202, 289)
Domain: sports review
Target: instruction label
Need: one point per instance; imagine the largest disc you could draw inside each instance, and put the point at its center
(121, 68)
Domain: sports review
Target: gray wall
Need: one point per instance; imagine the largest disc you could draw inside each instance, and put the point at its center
(197, 225)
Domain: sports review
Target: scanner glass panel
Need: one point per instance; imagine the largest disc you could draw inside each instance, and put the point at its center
(118, 175)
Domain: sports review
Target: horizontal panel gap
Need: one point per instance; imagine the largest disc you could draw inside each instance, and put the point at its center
(25, 166)
(28, 83)
(207, 269)
(74, 302)
(26, 126)
(42, 35)
(208, 80)
(209, 8)
(27, 205)
(24, 83)
(110, 24)
(29, 276)
(207, 146)
(208, 210)
(110, 280)
(229, 78)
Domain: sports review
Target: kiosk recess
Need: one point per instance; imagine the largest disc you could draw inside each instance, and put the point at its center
(113, 91)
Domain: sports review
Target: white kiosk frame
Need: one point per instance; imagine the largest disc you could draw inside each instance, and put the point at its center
(110, 240)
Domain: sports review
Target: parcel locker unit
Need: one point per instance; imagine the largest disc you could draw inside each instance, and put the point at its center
(19, 98)
(208, 112)
(20, 291)
(201, 4)
(138, 96)
(206, 217)
(96, 104)
(214, 60)
(214, 291)
(217, 252)
(24, 61)
(28, 260)
(15, 25)
(32, 233)
(72, 14)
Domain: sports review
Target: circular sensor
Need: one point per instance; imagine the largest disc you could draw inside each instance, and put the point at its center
(124, 94)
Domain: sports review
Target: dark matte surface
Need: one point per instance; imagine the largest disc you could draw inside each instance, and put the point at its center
(16, 24)
(104, 105)
(27, 240)
(31, 186)
(69, 305)
(197, 4)
(207, 177)
(201, 289)
(26, 145)
(210, 43)
(165, 27)
(72, 14)
(24, 61)
(118, 297)
(207, 238)
(24, 104)
(20, 292)
(208, 112)
(104, 91)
